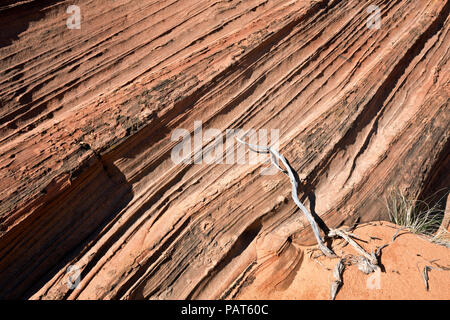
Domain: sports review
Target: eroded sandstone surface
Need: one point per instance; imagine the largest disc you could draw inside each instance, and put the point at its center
(86, 118)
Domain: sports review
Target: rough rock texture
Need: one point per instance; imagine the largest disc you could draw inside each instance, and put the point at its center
(86, 118)
(282, 276)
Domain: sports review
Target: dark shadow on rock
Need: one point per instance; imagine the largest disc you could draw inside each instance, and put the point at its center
(312, 208)
(382, 268)
(62, 229)
(436, 188)
(16, 18)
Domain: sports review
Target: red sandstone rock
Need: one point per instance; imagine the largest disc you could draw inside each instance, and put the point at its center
(86, 122)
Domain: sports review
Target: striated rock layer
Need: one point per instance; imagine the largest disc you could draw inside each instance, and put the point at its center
(86, 118)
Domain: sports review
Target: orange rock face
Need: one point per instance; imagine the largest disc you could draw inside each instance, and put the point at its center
(293, 273)
(88, 181)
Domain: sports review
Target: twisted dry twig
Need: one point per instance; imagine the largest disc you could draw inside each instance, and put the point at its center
(337, 273)
(367, 263)
(425, 271)
(294, 182)
(425, 276)
(346, 236)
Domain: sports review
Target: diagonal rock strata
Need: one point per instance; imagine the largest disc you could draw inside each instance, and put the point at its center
(86, 123)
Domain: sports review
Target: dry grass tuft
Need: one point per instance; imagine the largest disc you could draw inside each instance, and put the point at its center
(418, 217)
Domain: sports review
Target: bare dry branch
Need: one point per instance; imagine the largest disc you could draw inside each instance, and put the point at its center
(378, 251)
(396, 233)
(336, 232)
(294, 182)
(425, 276)
(337, 273)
